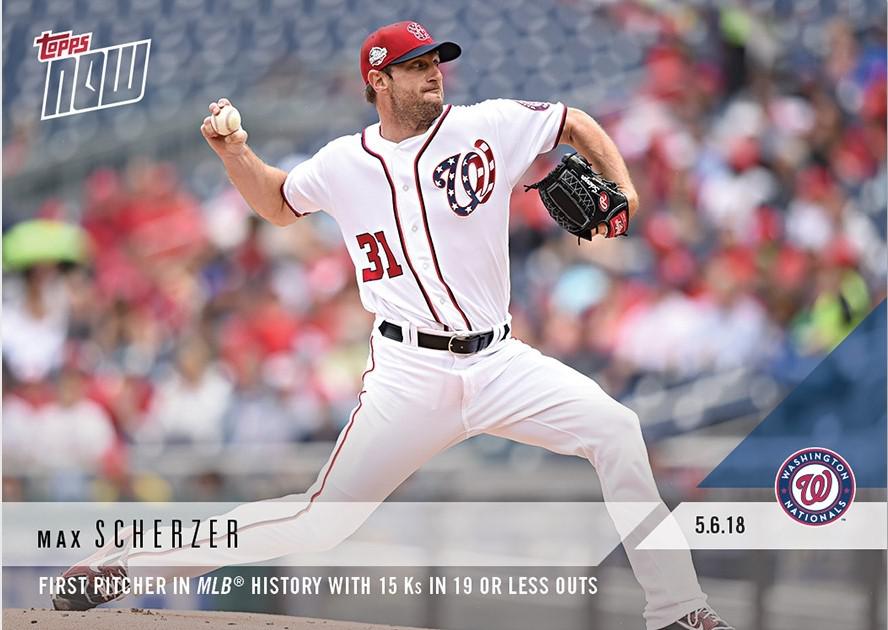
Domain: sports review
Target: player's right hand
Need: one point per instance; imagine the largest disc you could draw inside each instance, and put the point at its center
(231, 145)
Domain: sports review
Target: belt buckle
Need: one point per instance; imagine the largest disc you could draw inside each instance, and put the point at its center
(461, 338)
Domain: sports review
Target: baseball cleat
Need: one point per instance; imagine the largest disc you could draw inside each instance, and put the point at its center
(700, 619)
(100, 579)
(93, 592)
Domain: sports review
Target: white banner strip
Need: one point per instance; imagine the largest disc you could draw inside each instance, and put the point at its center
(294, 533)
(733, 525)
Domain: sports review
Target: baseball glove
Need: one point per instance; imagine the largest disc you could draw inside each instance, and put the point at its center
(579, 199)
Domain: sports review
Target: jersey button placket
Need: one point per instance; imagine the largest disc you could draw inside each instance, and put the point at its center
(417, 242)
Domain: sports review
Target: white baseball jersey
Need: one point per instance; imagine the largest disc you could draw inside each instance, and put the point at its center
(426, 220)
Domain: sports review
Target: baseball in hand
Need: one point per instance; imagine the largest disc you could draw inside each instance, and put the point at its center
(227, 121)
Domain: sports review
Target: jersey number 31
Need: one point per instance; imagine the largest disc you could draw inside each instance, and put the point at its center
(370, 243)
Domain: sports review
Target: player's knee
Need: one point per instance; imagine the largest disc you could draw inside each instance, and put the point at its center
(625, 423)
(326, 541)
(315, 539)
(328, 535)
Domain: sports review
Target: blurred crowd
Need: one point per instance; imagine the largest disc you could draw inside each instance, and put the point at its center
(761, 239)
(760, 243)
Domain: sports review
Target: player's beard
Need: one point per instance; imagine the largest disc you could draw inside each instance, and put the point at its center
(414, 110)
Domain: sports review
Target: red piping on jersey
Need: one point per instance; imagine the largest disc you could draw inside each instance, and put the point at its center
(400, 232)
(298, 214)
(425, 218)
(348, 428)
(560, 129)
(314, 497)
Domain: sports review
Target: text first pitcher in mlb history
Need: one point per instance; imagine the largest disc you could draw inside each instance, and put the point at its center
(485, 316)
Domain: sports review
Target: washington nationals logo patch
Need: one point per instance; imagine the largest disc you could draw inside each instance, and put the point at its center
(815, 486)
(377, 55)
(475, 172)
(536, 106)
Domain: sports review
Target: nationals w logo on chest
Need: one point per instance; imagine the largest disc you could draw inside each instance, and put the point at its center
(815, 486)
(81, 80)
(468, 178)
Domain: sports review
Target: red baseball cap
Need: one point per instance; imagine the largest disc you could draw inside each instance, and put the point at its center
(400, 42)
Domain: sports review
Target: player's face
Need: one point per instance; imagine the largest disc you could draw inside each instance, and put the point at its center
(418, 89)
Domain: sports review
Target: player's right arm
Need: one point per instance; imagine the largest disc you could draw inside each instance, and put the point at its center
(258, 183)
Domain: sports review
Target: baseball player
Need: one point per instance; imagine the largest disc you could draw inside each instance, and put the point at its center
(422, 200)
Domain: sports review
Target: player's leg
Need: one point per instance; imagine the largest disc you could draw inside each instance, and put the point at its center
(530, 398)
(408, 410)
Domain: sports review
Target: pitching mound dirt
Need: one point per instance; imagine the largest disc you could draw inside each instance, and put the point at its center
(139, 619)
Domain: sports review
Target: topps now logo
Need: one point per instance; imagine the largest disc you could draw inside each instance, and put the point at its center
(815, 486)
(81, 80)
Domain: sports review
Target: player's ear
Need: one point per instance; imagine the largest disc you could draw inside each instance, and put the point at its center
(378, 80)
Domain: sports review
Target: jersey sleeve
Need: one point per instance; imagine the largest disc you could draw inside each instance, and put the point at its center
(304, 190)
(525, 130)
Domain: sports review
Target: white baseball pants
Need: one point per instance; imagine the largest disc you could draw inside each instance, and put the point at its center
(416, 403)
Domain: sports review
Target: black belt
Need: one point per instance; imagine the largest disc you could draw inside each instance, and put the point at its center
(457, 344)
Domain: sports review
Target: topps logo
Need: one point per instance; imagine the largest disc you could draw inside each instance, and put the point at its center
(81, 80)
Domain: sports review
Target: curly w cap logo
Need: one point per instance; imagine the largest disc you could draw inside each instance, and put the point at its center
(418, 31)
(815, 486)
(81, 80)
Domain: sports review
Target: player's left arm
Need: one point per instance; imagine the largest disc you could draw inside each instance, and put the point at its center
(584, 134)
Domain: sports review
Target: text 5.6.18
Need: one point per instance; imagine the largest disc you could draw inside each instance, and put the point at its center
(719, 525)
